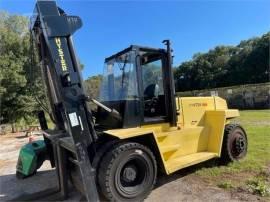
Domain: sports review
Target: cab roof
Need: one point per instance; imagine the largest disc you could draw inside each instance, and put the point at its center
(138, 48)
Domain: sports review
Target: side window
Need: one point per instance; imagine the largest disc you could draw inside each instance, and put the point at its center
(152, 79)
(154, 99)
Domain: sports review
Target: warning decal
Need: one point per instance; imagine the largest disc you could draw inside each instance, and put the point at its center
(73, 119)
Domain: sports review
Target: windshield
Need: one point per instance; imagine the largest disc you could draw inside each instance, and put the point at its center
(119, 78)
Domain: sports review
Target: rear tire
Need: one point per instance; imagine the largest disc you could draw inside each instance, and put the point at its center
(127, 172)
(235, 143)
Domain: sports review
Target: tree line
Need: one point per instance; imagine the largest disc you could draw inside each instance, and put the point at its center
(246, 63)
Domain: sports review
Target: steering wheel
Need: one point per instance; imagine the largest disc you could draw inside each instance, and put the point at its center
(151, 106)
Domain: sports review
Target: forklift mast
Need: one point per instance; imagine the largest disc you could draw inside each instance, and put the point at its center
(52, 32)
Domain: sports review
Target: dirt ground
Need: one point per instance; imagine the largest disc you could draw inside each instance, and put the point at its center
(181, 186)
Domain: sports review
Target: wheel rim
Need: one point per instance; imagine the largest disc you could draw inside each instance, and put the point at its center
(132, 176)
(238, 145)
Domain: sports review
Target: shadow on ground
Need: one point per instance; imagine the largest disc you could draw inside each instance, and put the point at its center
(12, 188)
(164, 179)
(21, 189)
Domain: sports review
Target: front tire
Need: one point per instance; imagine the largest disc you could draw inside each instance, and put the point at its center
(127, 172)
(235, 143)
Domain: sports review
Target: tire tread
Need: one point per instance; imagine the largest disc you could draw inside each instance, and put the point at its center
(226, 155)
(107, 163)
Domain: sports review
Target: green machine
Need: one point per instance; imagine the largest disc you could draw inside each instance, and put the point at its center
(31, 157)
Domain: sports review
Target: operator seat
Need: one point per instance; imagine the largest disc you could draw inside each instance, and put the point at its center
(151, 99)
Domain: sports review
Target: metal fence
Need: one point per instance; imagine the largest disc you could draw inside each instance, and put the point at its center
(250, 96)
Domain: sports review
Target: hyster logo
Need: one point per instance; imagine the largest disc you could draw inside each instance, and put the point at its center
(198, 105)
(61, 54)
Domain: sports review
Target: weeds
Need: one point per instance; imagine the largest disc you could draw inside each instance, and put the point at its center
(258, 186)
(225, 185)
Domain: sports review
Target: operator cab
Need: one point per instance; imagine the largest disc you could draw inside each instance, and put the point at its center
(135, 83)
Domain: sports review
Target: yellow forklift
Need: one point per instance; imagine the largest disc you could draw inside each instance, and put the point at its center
(139, 127)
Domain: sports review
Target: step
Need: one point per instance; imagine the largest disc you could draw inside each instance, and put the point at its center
(169, 148)
(175, 164)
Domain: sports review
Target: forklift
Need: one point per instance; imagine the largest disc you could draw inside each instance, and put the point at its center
(139, 127)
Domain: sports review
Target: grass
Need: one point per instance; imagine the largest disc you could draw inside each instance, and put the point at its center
(225, 185)
(252, 173)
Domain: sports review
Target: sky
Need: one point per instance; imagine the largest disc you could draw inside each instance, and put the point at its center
(192, 26)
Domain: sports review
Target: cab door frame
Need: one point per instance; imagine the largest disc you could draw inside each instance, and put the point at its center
(168, 85)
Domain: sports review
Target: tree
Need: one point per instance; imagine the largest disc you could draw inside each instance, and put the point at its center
(251, 63)
(17, 83)
(92, 85)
